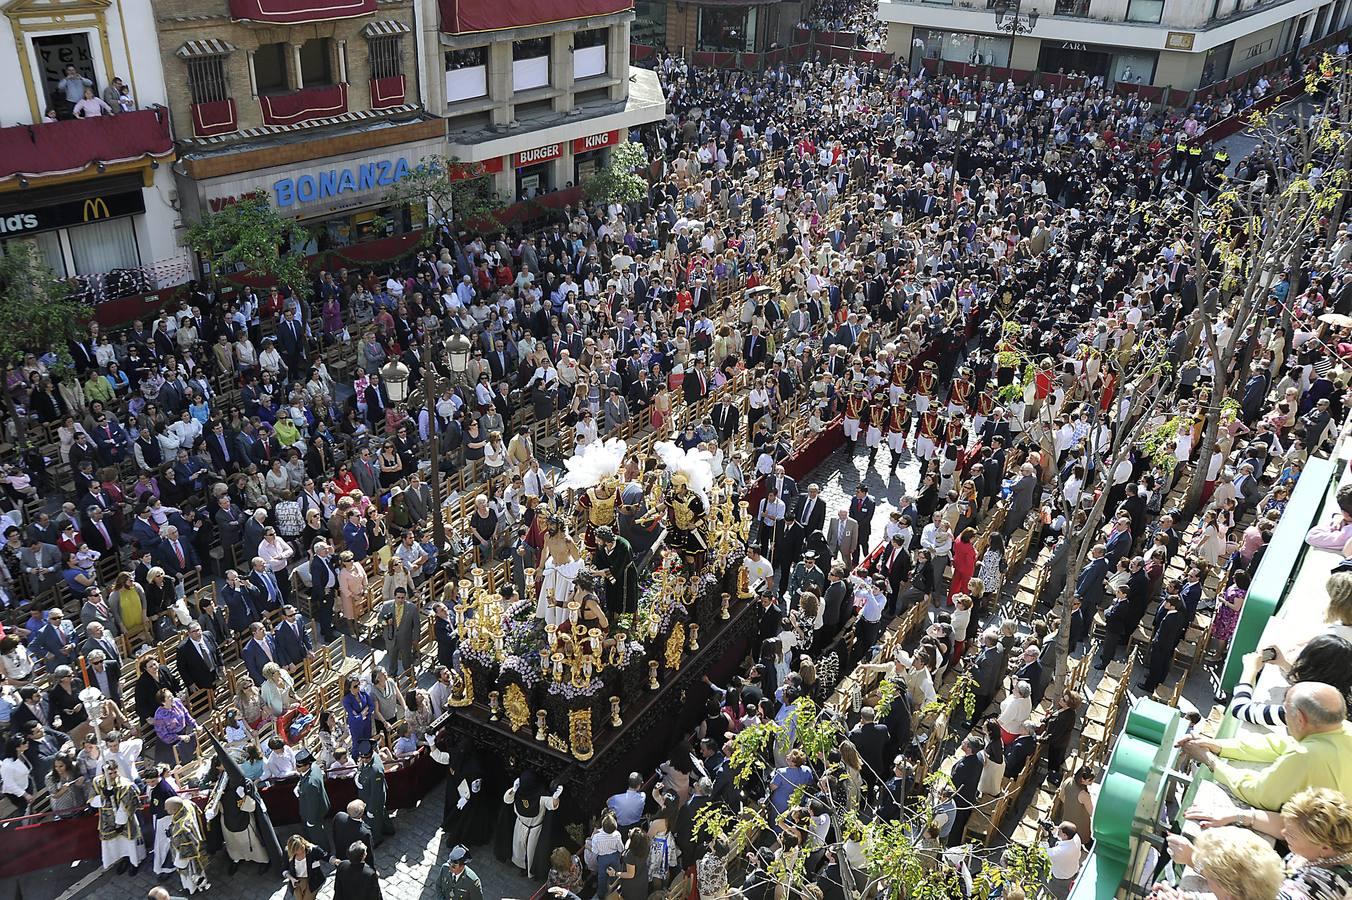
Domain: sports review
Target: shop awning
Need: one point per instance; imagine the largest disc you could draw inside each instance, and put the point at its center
(295, 12)
(384, 28)
(468, 16)
(208, 47)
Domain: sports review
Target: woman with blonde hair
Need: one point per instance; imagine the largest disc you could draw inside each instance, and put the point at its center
(351, 589)
(304, 868)
(396, 576)
(1317, 827)
(279, 689)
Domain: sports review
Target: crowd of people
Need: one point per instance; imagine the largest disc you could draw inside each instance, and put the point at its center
(817, 227)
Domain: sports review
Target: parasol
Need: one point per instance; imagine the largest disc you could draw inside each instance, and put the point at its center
(1337, 319)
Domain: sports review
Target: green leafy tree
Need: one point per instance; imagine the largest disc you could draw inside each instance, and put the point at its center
(37, 312)
(251, 235)
(619, 181)
(450, 190)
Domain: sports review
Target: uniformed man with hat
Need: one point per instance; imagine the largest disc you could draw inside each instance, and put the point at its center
(457, 881)
(924, 387)
(854, 412)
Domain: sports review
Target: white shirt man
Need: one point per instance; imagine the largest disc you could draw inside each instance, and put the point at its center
(1064, 850)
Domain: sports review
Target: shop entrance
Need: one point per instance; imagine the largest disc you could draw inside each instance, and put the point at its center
(1065, 57)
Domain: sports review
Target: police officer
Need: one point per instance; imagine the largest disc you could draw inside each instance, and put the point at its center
(457, 881)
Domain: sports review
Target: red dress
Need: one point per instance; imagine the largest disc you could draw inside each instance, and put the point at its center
(964, 564)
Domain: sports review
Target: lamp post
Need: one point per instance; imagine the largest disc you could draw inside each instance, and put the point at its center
(1009, 19)
(434, 438)
(457, 353)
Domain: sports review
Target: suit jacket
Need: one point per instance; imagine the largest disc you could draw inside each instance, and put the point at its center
(695, 386)
(835, 606)
(813, 519)
(193, 669)
(230, 526)
(242, 604)
(966, 777)
(355, 882)
(114, 670)
(405, 634)
(94, 539)
(291, 648)
(368, 477)
(256, 656)
(840, 545)
(168, 559)
(1089, 585)
(48, 644)
(447, 641)
(346, 831)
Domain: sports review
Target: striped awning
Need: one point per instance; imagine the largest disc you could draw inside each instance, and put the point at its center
(384, 28)
(208, 47)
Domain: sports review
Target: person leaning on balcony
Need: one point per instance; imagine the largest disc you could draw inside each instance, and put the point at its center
(1316, 751)
(91, 106)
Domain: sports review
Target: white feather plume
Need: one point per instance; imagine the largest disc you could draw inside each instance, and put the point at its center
(696, 464)
(597, 461)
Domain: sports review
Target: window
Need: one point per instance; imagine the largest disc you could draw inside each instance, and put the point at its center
(466, 59)
(730, 30)
(387, 59)
(270, 69)
(206, 79)
(316, 62)
(531, 49)
(1147, 12)
(650, 23)
(104, 246)
(589, 52)
(55, 52)
(530, 64)
(466, 74)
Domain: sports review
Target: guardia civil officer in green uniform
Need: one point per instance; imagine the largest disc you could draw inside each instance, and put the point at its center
(371, 791)
(313, 800)
(457, 881)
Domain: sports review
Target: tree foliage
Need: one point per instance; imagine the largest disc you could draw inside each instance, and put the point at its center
(37, 310)
(619, 181)
(251, 235)
(451, 191)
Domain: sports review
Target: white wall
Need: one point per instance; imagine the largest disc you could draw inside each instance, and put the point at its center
(155, 233)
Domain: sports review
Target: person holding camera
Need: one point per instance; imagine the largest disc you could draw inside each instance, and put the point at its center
(1064, 850)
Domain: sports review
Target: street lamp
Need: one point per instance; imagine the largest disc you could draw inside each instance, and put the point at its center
(969, 113)
(1009, 19)
(457, 354)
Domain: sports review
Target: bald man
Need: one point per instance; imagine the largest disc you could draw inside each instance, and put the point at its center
(1316, 751)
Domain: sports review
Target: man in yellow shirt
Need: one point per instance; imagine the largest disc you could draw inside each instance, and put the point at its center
(1316, 751)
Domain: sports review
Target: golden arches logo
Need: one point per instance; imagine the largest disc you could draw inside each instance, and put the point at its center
(95, 208)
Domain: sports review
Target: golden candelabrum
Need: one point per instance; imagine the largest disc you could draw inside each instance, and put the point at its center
(694, 637)
(493, 706)
(575, 655)
(652, 675)
(723, 612)
(480, 616)
(615, 719)
(541, 729)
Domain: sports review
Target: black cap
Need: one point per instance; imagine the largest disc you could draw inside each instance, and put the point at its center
(304, 758)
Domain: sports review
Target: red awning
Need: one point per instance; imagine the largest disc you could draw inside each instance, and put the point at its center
(303, 105)
(293, 12)
(57, 148)
(466, 16)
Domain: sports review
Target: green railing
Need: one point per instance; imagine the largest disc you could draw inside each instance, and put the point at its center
(1280, 563)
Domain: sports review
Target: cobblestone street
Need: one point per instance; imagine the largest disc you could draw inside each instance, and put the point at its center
(408, 862)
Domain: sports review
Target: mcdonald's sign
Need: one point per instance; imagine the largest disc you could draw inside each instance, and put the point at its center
(20, 217)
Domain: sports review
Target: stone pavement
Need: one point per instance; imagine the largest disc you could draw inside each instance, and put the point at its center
(840, 473)
(409, 861)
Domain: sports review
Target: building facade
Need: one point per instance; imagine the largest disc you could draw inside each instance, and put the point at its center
(534, 93)
(314, 103)
(93, 194)
(1184, 44)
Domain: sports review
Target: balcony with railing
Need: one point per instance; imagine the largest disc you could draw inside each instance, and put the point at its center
(69, 147)
(298, 12)
(294, 107)
(470, 16)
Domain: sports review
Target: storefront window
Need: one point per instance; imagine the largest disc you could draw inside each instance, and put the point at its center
(48, 246)
(1134, 68)
(1217, 63)
(104, 246)
(533, 180)
(958, 46)
(650, 23)
(727, 30)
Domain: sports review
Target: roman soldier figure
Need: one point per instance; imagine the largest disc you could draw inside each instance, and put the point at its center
(985, 405)
(854, 411)
(927, 434)
(924, 387)
(877, 418)
(960, 393)
(901, 373)
(898, 423)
